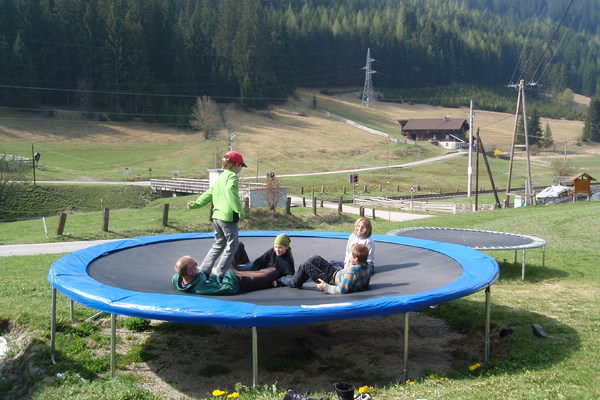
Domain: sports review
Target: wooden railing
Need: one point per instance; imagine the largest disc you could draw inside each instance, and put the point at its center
(187, 185)
(423, 206)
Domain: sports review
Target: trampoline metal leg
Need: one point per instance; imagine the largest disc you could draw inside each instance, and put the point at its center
(53, 326)
(543, 257)
(406, 326)
(523, 267)
(486, 345)
(113, 344)
(254, 357)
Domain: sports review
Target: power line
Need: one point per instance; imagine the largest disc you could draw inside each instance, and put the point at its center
(535, 81)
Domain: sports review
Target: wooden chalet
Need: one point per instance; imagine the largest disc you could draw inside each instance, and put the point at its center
(448, 132)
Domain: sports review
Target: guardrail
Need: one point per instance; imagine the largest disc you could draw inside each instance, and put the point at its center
(423, 206)
(188, 185)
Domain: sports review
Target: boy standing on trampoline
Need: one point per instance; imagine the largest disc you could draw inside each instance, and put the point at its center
(330, 278)
(227, 211)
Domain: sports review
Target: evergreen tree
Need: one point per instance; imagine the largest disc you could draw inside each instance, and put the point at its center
(547, 141)
(591, 129)
(534, 129)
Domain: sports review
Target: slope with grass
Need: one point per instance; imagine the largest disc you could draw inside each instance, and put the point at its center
(563, 297)
(288, 138)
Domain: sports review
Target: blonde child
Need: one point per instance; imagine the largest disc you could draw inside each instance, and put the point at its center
(361, 234)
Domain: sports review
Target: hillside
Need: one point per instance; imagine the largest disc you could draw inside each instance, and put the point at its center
(288, 138)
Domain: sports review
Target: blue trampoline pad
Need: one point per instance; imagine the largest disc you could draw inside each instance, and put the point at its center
(133, 277)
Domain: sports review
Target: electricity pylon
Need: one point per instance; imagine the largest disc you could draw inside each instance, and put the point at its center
(368, 93)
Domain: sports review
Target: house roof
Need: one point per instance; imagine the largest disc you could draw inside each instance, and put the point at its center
(433, 124)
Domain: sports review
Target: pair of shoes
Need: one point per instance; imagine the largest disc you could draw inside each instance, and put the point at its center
(206, 276)
(291, 395)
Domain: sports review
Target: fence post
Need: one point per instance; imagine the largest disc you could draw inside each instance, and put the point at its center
(322, 188)
(340, 204)
(314, 205)
(165, 215)
(105, 220)
(62, 220)
(321, 203)
(288, 206)
(361, 211)
(364, 188)
(246, 205)
(380, 188)
(344, 189)
(303, 201)
(373, 213)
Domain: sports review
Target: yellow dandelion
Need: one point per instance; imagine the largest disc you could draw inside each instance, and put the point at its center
(218, 392)
(364, 389)
(409, 382)
(233, 395)
(474, 367)
(527, 372)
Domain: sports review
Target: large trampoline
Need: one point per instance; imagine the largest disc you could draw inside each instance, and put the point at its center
(133, 278)
(477, 239)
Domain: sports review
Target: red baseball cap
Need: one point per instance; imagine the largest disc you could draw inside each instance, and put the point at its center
(235, 157)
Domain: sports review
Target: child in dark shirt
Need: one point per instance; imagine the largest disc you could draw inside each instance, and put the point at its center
(279, 256)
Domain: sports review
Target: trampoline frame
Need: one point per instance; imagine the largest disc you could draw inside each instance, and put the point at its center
(123, 244)
(535, 242)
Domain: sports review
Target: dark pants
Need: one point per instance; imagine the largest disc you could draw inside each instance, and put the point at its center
(315, 268)
(256, 280)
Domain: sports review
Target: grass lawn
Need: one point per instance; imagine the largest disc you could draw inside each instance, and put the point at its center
(563, 297)
(289, 139)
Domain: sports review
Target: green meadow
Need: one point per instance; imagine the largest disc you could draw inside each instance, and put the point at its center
(563, 296)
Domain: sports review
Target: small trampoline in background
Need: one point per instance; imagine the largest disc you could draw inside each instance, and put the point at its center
(477, 239)
(133, 278)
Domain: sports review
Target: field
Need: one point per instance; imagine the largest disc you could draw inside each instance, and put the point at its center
(288, 139)
(294, 138)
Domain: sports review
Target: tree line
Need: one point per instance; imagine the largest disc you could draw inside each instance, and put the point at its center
(152, 58)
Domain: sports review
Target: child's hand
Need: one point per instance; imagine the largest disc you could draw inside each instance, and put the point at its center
(321, 285)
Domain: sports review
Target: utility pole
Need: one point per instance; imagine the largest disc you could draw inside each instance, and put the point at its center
(33, 162)
(470, 168)
(368, 92)
(528, 183)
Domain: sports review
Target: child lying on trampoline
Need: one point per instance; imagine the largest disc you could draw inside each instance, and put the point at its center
(331, 278)
(188, 279)
(279, 256)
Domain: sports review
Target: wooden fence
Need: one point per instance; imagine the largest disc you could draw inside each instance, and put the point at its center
(422, 206)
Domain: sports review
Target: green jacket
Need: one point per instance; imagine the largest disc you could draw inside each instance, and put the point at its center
(224, 196)
(230, 286)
